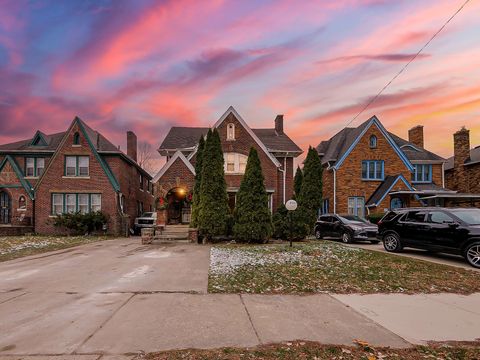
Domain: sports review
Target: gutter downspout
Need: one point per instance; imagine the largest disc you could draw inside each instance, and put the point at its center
(284, 177)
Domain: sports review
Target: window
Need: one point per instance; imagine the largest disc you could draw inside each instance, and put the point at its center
(396, 203)
(83, 164)
(139, 208)
(415, 216)
(141, 181)
(30, 167)
(73, 202)
(77, 165)
(34, 166)
(372, 170)
(149, 186)
(356, 206)
(235, 163)
(22, 202)
(57, 204)
(422, 173)
(70, 203)
(373, 142)
(438, 217)
(76, 139)
(83, 203)
(325, 206)
(231, 131)
(96, 202)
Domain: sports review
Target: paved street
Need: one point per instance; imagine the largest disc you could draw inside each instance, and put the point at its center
(119, 297)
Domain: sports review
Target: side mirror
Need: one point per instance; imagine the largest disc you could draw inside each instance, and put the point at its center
(453, 225)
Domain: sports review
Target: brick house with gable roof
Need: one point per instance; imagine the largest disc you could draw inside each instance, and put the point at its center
(75, 170)
(370, 170)
(276, 151)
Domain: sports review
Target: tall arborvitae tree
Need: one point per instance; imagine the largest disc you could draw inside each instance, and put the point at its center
(252, 217)
(214, 213)
(297, 182)
(198, 182)
(310, 197)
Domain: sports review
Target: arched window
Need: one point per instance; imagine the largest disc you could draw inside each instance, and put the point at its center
(396, 203)
(373, 142)
(76, 139)
(231, 131)
(22, 202)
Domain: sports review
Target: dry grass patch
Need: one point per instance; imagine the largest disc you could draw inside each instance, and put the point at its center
(311, 350)
(12, 247)
(315, 267)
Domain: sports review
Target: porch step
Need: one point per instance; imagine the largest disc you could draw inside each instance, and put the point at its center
(164, 236)
(159, 242)
(175, 233)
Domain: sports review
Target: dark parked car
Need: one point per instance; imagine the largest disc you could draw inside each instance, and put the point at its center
(447, 230)
(347, 227)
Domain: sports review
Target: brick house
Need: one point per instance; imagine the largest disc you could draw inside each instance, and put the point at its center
(369, 170)
(75, 170)
(276, 150)
(462, 171)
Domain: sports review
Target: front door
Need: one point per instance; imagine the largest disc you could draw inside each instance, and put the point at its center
(5, 208)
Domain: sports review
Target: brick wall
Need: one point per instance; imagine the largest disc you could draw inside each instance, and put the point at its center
(15, 190)
(349, 175)
(177, 175)
(54, 181)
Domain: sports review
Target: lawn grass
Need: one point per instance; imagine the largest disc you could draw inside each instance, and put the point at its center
(13, 247)
(314, 267)
(311, 350)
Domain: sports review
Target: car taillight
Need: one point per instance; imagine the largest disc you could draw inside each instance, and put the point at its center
(379, 223)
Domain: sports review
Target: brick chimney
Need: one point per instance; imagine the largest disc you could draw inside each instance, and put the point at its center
(132, 145)
(415, 136)
(461, 153)
(279, 124)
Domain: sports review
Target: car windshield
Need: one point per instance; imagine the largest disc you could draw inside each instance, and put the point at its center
(147, 214)
(469, 216)
(352, 219)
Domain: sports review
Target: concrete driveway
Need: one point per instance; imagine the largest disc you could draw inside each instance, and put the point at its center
(120, 297)
(114, 299)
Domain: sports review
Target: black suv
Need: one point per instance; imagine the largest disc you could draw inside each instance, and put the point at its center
(347, 227)
(448, 230)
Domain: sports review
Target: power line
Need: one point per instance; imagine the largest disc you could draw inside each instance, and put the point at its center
(408, 63)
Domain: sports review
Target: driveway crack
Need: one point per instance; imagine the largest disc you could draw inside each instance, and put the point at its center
(250, 319)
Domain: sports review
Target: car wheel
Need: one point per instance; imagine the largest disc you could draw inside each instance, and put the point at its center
(374, 241)
(347, 237)
(392, 243)
(472, 254)
(318, 234)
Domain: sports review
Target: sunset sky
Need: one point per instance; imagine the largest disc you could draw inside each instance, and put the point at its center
(149, 65)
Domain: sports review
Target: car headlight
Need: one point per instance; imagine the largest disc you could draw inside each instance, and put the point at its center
(356, 228)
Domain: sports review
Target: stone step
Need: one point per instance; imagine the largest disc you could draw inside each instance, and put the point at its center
(159, 241)
(171, 236)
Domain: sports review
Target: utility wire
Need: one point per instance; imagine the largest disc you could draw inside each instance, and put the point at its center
(406, 65)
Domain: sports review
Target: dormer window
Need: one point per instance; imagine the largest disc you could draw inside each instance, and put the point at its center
(76, 139)
(373, 142)
(231, 131)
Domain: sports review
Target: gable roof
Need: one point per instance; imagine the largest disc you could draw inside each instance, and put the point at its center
(339, 146)
(384, 188)
(474, 159)
(26, 185)
(177, 155)
(186, 138)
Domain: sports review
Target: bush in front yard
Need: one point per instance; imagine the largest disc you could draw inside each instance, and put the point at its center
(288, 226)
(297, 182)
(252, 218)
(78, 223)
(213, 211)
(375, 218)
(198, 182)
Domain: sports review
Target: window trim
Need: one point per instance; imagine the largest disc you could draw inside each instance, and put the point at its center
(236, 163)
(374, 162)
(356, 198)
(35, 166)
(415, 173)
(375, 141)
(63, 197)
(77, 166)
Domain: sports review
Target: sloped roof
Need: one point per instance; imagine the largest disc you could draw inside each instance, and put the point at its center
(474, 158)
(384, 188)
(276, 142)
(335, 147)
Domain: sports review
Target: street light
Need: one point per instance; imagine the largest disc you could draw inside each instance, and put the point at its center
(291, 205)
